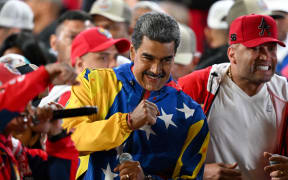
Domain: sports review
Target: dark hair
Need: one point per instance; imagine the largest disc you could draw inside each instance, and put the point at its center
(158, 27)
(73, 15)
(29, 46)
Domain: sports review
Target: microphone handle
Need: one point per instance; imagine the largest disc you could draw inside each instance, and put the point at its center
(82, 111)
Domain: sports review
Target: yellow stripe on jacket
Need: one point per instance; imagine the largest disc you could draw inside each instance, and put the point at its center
(192, 133)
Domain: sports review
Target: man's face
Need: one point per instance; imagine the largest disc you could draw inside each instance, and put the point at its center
(255, 65)
(117, 29)
(152, 63)
(103, 59)
(282, 26)
(61, 42)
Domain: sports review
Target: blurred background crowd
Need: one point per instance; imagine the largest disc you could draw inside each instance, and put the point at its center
(43, 30)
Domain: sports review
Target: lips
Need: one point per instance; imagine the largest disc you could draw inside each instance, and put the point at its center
(152, 77)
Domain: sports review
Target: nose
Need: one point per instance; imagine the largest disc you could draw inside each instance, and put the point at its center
(265, 53)
(156, 68)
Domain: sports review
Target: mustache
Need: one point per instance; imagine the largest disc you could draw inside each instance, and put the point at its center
(161, 75)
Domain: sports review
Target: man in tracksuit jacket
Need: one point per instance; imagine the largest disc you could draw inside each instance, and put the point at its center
(141, 110)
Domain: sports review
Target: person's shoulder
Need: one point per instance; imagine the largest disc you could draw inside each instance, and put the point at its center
(279, 87)
(203, 74)
(92, 74)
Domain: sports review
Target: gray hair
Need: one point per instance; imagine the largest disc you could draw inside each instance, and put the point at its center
(158, 27)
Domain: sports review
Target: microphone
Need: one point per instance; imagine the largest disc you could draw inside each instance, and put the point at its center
(74, 112)
(125, 157)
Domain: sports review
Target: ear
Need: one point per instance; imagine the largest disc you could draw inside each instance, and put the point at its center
(130, 31)
(132, 53)
(231, 53)
(196, 60)
(53, 41)
(79, 65)
(207, 33)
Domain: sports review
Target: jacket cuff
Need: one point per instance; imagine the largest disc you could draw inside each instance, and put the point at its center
(124, 124)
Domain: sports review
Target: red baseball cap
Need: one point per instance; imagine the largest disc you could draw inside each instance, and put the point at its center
(253, 30)
(94, 40)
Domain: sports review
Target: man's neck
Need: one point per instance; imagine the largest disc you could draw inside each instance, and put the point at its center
(249, 88)
(246, 85)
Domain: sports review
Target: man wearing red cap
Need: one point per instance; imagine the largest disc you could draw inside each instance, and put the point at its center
(92, 48)
(95, 48)
(244, 102)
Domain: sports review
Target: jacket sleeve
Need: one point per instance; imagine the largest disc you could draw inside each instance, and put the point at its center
(95, 133)
(60, 161)
(15, 94)
(195, 84)
(190, 163)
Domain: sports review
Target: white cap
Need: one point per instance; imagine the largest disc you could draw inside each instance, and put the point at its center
(277, 5)
(16, 14)
(217, 14)
(115, 10)
(187, 46)
(15, 60)
(148, 5)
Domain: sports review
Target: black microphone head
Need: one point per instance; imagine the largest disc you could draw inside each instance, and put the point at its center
(125, 157)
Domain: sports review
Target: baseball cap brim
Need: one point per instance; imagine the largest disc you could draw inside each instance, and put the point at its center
(262, 40)
(110, 16)
(183, 58)
(121, 44)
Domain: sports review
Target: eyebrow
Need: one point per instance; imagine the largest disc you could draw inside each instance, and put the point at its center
(168, 57)
(151, 56)
(103, 53)
(147, 55)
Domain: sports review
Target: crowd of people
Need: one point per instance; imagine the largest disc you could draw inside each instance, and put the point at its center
(175, 99)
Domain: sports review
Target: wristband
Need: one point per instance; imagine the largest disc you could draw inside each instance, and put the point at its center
(129, 122)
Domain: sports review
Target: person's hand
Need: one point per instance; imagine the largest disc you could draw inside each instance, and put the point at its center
(144, 114)
(279, 170)
(221, 171)
(61, 73)
(130, 170)
(44, 116)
